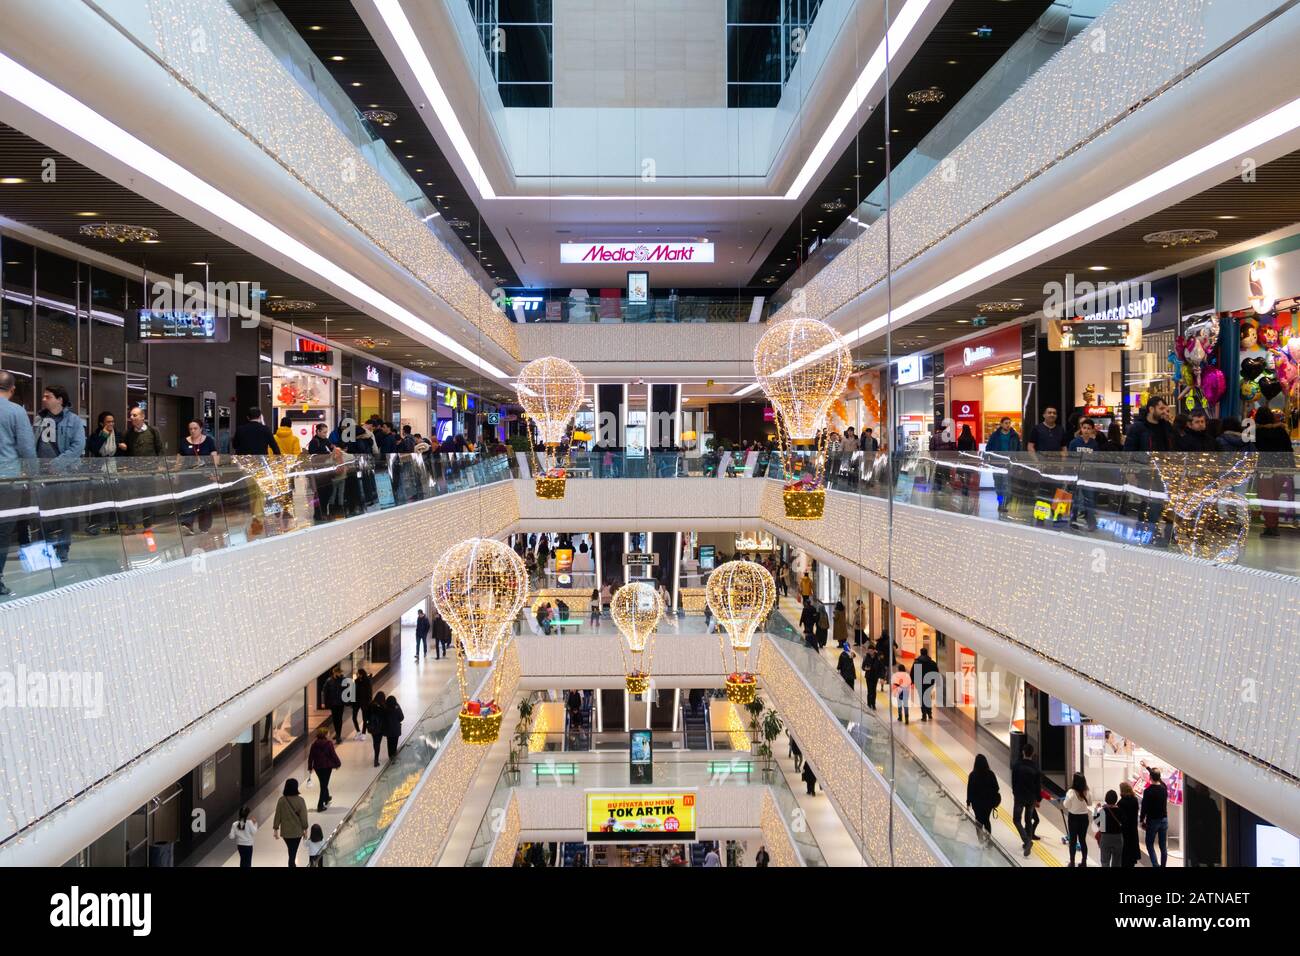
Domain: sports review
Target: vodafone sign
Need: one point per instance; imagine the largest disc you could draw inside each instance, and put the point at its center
(615, 253)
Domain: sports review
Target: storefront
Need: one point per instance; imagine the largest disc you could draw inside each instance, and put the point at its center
(982, 382)
(912, 379)
(417, 391)
(451, 410)
(367, 389)
(304, 383)
(1258, 301)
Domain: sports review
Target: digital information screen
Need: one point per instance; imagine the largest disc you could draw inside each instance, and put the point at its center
(157, 325)
(1066, 335)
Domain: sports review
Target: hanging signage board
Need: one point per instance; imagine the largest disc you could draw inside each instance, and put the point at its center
(613, 253)
(309, 359)
(641, 816)
(1070, 335)
(166, 325)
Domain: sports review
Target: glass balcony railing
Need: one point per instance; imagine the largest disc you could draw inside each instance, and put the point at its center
(63, 523)
(583, 309)
(938, 813)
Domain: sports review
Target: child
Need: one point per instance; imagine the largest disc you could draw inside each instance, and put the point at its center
(902, 686)
(315, 845)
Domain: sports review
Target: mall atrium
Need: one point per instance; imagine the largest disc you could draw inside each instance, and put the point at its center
(649, 433)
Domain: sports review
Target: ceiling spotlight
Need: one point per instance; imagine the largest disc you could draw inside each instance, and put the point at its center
(1227, 217)
(337, 59)
(11, 181)
(1098, 268)
(88, 215)
(1179, 237)
(358, 83)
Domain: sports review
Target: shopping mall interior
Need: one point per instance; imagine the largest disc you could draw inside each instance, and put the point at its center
(649, 433)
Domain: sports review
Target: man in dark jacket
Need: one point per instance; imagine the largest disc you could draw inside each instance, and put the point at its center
(1027, 792)
(421, 633)
(323, 760)
(1197, 437)
(808, 621)
(925, 678)
(845, 666)
(253, 437)
(1047, 435)
(332, 698)
(1154, 817)
(441, 637)
(1152, 430)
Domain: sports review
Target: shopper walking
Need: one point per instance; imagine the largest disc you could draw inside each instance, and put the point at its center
(1276, 465)
(422, 627)
(17, 444)
(243, 832)
(845, 666)
(1129, 812)
(823, 626)
(1110, 826)
(441, 636)
(925, 678)
(363, 692)
(762, 859)
(901, 686)
(1026, 793)
(323, 760)
(253, 437)
(805, 586)
(859, 623)
(594, 610)
(315, 845)
(1004, 441)
(796, 754)
(1078, 811)
(809, 779)
(376, 721)
(332, 697)
(290, 819)
(870, 673)
(1153, 816)
(983, 795)
(841, 625)
(393, 718)
(808, 621)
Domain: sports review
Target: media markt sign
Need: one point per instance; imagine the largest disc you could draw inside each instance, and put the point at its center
(622, 252)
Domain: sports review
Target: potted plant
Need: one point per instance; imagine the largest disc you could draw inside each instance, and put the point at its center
(755, 709)
(519, 740)
(771, 727)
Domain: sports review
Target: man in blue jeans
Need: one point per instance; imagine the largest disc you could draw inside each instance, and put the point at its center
(1003, 441)
(1154, 817)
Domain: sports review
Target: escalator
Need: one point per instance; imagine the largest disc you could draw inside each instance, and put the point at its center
(696, 732)
(577, 729)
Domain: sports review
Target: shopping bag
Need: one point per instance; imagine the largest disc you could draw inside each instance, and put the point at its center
(39, 556)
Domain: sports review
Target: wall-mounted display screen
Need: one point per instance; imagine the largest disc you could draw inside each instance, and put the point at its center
(631, 816)
(163, 325)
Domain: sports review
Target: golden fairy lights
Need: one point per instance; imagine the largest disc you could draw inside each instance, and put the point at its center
(636, 609)
(1211, 518)
(740, 595)
(479, 586)
(551, 391)
(802, 365)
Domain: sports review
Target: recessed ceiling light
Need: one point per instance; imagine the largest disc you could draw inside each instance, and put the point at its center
(357, 83)
(952, 62)
(150, 242)
(1226, 217)
(317, 28)
(410, 156)
(11, 181)
(88, 214)
(398, 142)
(200, 264)
(337, 59)
(419, 170)
(1098, 268)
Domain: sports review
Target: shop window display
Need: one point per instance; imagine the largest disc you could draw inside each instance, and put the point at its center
(1109, 759)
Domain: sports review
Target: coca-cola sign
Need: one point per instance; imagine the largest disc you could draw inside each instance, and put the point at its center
(615, 253)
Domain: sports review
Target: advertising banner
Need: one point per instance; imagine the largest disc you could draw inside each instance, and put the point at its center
(640, 816)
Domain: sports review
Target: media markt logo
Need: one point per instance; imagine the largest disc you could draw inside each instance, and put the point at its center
(77, 909)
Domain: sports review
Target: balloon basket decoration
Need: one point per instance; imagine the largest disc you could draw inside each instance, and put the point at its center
(637, 683)
(550, 489)
(480, 723)
(742, 688)
(803, 505)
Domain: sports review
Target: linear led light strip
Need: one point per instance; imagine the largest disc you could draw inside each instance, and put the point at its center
(400, 29)
(74, 116)
(1279, 122)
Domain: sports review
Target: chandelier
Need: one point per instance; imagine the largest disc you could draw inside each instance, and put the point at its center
(1006, 306)
(119, 231)
(833, 205)
(741, 595)
(931, 94)
(802, 365)
(380, 117)
(636, 610)
(1179, 237)
(291, 305)
(551, 391)
(367, 342)
(478, 587)
(458, 223)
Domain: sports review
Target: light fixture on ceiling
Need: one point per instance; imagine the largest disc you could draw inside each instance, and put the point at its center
(1098, 268)
(87, 215)
(931, 94)
(119, 232)
(380, 117)
(292, 305)
(357, 83)
(1179, 237)
(369, 342)
(834, 205)
(1227, 217)
(458, 223)
(337, 59)
(11, 180)
(1007, 306)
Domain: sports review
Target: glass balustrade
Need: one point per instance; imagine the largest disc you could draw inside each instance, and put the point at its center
(63, 523)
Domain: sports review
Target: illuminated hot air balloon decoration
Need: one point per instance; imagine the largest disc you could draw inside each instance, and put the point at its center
(740, 595)
(478, 587)
(636, 609)
(551, 391)
(802, 365)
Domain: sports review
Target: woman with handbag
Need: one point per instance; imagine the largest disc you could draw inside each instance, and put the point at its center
(1110, 830)
(1078, 808)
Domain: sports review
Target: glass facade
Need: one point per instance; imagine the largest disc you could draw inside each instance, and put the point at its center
(518, 38)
